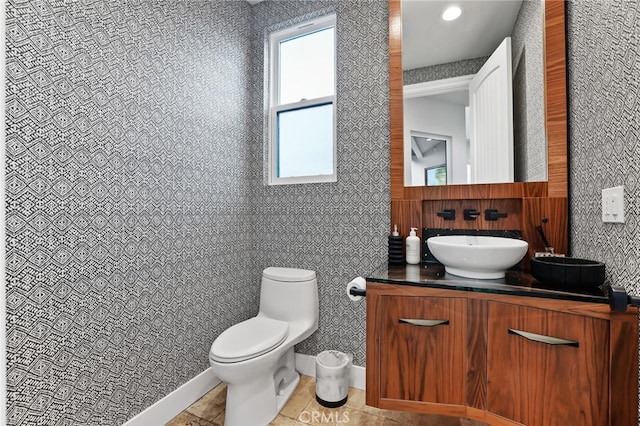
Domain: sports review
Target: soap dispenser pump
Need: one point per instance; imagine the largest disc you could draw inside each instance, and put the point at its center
(413, 247)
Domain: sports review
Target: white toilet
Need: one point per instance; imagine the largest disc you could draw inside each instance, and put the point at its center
(255, 357)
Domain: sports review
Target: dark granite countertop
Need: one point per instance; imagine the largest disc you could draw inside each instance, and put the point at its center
(515, 283)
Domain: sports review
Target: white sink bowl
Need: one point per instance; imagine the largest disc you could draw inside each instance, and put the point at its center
(477, 257)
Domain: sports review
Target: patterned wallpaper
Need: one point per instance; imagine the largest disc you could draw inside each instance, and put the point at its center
(337, 229)
(604, 120)
(138, 220)
(134, 206)
(128, 201)
(528, 93)
(604, 123)
(442, 71)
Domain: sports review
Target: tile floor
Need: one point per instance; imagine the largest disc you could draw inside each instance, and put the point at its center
(302, 407)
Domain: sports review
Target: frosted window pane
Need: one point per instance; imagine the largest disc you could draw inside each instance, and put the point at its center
(307, 67)
(305, 141)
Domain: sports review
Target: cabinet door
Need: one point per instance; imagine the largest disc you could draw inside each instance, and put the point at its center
(547, 368)
(423, 349)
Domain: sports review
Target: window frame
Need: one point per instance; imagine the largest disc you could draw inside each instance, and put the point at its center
(275, 38)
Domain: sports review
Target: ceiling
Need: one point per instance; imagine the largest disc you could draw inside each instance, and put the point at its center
(421, 146)
(428, 40)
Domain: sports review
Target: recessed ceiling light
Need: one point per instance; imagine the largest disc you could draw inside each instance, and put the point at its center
(451, 13)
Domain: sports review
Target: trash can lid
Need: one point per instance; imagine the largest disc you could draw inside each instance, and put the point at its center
(333, 359)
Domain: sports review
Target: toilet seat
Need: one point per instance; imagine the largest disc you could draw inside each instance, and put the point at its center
(249, 339)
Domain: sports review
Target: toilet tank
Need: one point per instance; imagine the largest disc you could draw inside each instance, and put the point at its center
(289, 294)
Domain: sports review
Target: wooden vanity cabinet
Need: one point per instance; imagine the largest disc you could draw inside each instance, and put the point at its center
(500, 359)
(423, 348)
(546, 367)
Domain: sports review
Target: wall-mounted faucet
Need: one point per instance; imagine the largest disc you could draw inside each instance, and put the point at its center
(471, 214)
(493, 214)
(448, 214)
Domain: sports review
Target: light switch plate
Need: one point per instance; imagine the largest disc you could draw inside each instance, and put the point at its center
(613, 205)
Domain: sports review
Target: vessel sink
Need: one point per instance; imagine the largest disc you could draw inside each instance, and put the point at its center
(477, 257)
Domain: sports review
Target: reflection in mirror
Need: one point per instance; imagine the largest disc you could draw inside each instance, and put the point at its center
(440, 58)
(429, 158)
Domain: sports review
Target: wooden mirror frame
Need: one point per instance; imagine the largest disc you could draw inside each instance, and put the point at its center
(555, 99)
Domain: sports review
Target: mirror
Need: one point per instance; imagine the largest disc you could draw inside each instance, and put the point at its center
(441, 59)
(555, 105)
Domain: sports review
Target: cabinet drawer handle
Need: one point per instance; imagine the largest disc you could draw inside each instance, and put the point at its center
(423, 322)
(544, 339)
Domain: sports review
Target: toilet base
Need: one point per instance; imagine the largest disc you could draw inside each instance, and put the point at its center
(284, 394)
(258, 401)
(257, 407)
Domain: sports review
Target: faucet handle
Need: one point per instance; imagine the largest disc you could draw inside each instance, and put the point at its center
(471, 214)
(447, 214)
(493, 214)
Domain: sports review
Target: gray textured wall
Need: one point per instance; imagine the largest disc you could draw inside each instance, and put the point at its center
(128, 192)
(442, 71)
(138, 220)
(527, 49)
(604, 120)
(128, 201)
(337, 229)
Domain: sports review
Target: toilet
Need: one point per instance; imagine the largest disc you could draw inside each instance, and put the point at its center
(255, 357)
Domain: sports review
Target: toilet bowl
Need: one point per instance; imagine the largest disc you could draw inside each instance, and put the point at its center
(255, 357)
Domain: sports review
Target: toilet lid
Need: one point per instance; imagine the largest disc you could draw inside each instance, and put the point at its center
(288, 274)
(249, 339)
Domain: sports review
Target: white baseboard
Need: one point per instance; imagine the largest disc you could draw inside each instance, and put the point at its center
(306, 364)
(177, 401)
(180, 399)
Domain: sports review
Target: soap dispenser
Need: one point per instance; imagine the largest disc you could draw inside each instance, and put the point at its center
(396, 248)
(413, 248)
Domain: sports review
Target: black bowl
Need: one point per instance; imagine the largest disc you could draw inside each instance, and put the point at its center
(568, 272)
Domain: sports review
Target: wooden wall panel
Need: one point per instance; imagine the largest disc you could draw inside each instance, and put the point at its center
(557, 228)
(534, 189)
(396, 115)
(471, 192)
(556, 98)
(406, 214)
(466, 192)
(533, 212)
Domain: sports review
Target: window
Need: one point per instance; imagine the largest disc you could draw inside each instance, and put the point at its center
(302, 146)
(436, 176)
